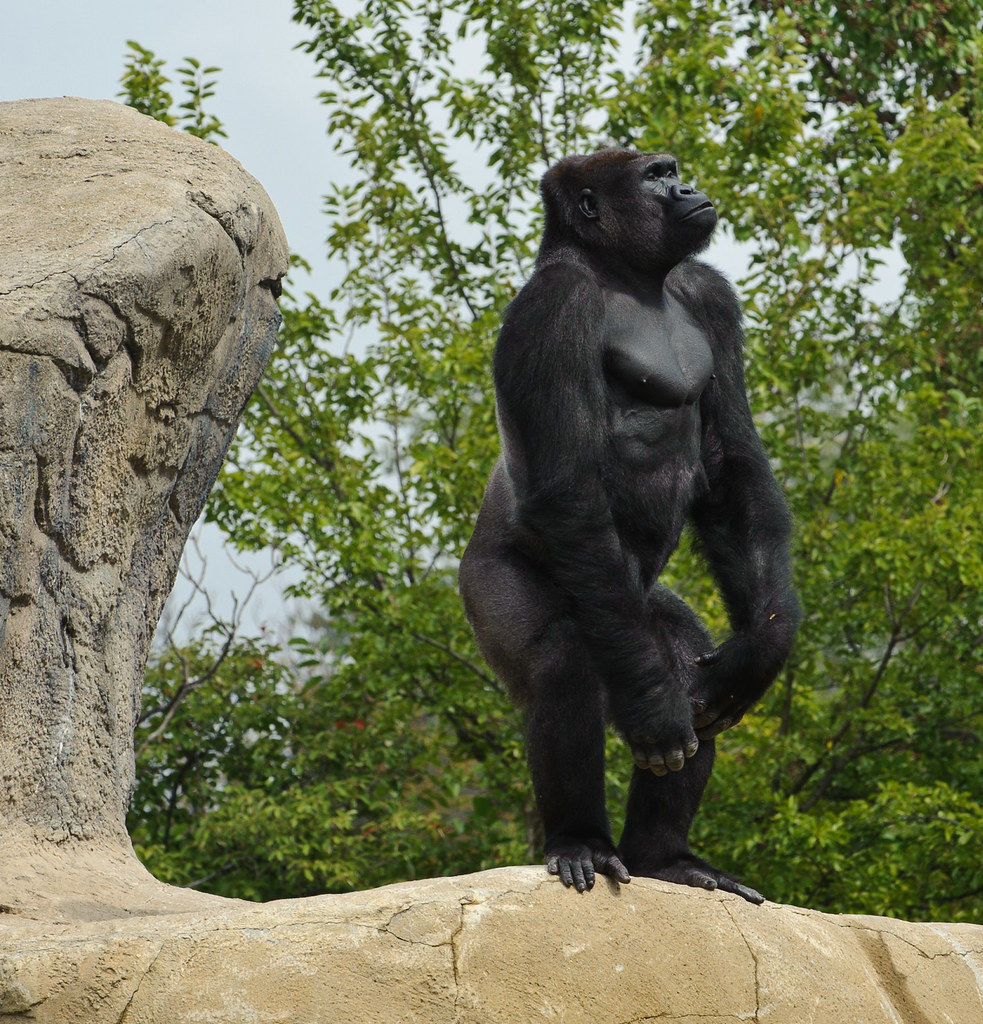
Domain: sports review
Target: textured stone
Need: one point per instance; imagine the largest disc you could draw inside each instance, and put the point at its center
(499, 947)
(138, 268)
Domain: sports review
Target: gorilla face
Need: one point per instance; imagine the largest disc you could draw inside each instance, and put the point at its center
(630, 204)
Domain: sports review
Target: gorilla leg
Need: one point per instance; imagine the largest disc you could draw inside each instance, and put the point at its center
(539, 656)
(565, 725)
(661, 805)
(655, 841)
(526, 635)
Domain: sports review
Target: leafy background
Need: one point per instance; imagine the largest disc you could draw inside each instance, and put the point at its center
(840, 144)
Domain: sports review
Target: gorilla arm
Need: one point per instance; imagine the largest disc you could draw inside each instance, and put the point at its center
(742, 523)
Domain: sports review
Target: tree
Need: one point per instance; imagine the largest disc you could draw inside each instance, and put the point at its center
(145, 88)
(838, 142)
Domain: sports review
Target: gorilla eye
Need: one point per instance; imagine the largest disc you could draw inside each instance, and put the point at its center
(661, 169)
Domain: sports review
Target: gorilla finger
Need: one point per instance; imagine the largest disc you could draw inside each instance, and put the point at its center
(588, 873)
(577, 874)
(692, 747)
(732, 885)
(641, 758)
(709, 658)
(612, 866)
(658, 768)
(705, 716)
(714, 728)
(675, 760)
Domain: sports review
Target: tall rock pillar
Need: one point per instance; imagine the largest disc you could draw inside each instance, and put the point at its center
(139, 269)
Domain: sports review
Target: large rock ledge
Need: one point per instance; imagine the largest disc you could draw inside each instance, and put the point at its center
(508, 945)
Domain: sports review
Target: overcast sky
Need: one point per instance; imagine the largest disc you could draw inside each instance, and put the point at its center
(266, 97)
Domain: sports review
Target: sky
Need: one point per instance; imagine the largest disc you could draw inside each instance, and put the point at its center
(267, 98)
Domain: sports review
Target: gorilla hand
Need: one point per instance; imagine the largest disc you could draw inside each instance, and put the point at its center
(732, 679)
(659, 729)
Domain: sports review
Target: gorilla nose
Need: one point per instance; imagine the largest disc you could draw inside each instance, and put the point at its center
(681, 190)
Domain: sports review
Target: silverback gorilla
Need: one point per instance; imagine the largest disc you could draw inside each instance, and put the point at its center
(623, 414)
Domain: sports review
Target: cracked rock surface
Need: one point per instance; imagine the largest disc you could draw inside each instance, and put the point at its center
(138, 273)
(507, 946)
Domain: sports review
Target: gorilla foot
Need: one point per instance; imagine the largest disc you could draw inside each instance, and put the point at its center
(576, 863)
(688, 869)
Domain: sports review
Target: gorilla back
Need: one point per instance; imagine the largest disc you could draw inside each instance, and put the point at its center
(623, 415)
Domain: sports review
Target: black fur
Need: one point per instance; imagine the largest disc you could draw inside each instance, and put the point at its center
(623, 414)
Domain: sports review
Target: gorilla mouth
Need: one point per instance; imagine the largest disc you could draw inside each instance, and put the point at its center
(702, 208)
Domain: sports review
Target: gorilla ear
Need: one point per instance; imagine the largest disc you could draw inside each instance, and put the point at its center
(587, 204)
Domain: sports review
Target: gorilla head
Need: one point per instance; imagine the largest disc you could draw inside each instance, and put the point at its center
(627, 206)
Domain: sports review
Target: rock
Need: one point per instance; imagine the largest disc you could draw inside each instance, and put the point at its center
(499, 947)
(138, 273)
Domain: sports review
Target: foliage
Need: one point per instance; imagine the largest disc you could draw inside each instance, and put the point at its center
(257, 788)
(840, 144)
(145, 88)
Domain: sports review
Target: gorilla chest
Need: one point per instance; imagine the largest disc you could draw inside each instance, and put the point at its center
(655, 356)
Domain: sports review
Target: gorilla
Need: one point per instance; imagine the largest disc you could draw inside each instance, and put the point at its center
(623, 416)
